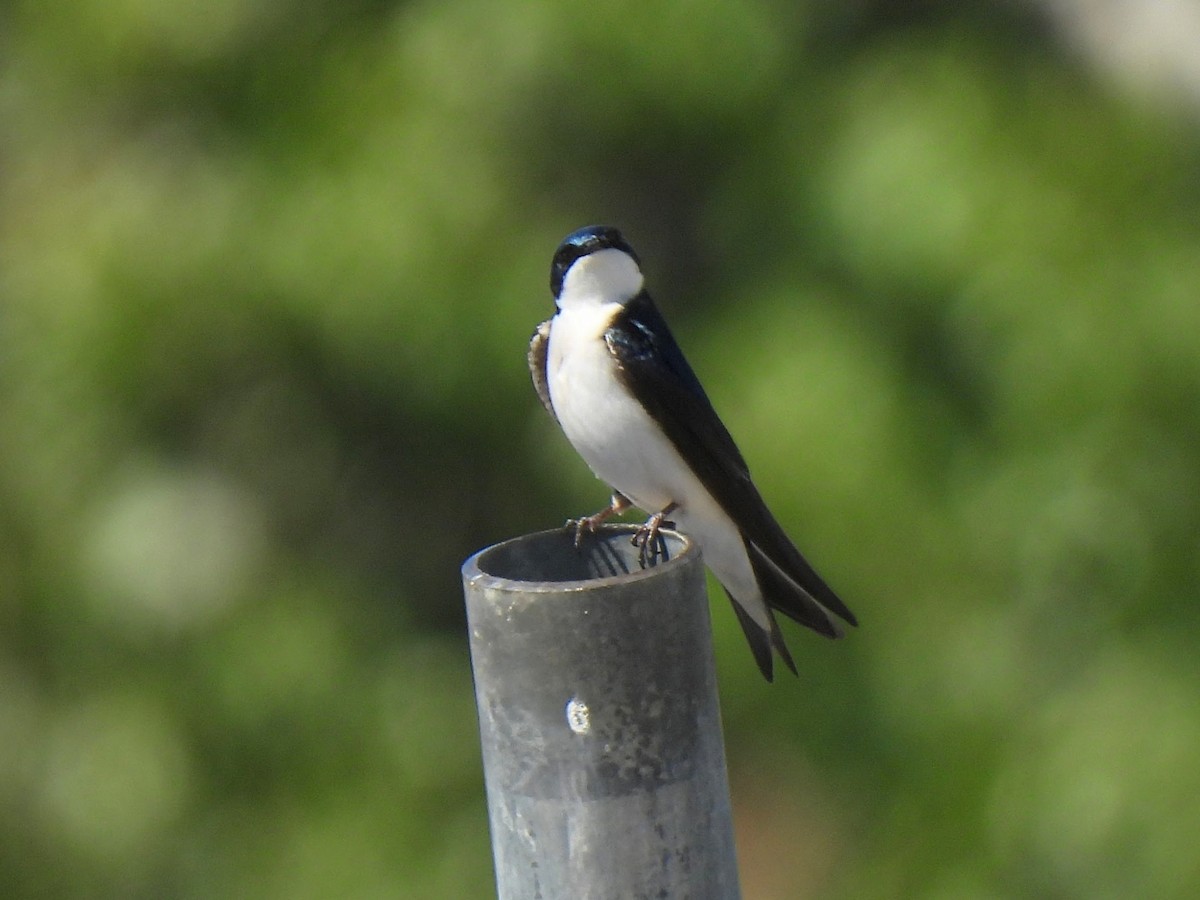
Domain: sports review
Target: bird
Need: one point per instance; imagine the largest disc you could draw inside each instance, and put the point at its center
(608, 369)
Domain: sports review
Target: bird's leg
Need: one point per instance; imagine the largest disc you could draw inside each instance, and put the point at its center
(588, 524)
(647, 536)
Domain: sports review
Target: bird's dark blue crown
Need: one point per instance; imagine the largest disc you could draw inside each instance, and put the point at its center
(580, 243)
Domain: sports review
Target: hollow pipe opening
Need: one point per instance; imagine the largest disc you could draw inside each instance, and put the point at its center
(550, 557)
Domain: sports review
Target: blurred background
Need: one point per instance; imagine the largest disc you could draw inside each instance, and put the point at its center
(267, 273)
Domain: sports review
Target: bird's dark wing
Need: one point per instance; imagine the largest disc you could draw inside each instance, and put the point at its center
(539, 344)
(656, 372)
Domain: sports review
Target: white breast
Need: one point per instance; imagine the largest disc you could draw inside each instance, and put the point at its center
(626, 449)
(616, 437)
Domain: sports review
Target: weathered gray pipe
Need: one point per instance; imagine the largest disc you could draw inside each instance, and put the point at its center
(598, 715)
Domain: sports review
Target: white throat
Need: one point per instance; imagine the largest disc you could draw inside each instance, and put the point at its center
(601, 278)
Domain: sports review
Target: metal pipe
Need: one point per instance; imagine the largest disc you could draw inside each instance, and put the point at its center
(599, 720)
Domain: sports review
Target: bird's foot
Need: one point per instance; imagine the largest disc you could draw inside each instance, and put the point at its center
(589, 524)
(648, 540)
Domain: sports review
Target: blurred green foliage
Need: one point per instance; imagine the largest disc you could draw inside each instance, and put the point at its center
(267, 270)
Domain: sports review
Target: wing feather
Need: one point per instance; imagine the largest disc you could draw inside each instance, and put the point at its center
(539, 345)
(656, 372)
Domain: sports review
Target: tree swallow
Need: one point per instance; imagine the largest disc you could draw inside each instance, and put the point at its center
(608, 369)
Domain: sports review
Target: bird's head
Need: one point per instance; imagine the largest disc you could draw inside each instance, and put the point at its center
(595, 265)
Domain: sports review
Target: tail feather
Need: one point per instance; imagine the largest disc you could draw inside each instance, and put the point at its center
(781, 590)
(779, 645)
(761, 641)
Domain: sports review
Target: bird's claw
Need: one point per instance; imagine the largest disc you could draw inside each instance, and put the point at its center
(589, 524)
(583, 525)
(649, 542)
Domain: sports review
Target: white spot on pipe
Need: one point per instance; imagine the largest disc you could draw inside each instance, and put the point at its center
(578, 716)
